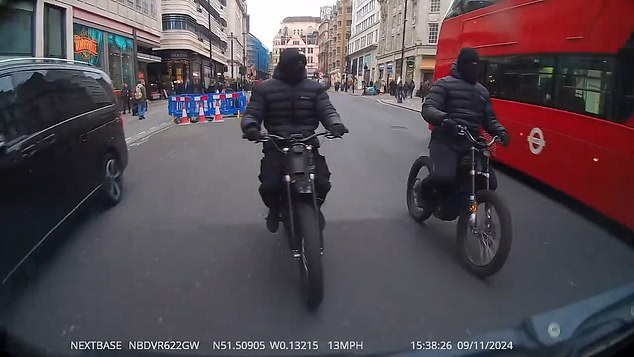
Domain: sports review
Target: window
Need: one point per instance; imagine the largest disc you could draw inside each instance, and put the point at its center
(459, 7)
(310, 59)
(433, 33)
(296, 43)
(139, 5)
(586, 85)
(54, 33)
(434, 6)
(16, 31)
(524, 79)
(153, 9)
(579, 84)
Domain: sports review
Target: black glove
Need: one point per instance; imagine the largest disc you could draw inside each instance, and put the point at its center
(338, 130)
(450, 125)
(253, 134)
(505, 138)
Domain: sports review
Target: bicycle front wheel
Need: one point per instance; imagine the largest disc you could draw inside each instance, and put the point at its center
(310, 252)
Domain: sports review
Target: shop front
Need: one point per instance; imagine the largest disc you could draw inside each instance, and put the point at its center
(112, 52)
(184, 71)
(426, 69)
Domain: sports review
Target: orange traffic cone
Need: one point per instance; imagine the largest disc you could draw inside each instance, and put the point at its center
(201, 114)
(218, 117)
(185, 118)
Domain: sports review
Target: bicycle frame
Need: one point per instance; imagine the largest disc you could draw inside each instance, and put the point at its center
(477, 147)
(298, 177)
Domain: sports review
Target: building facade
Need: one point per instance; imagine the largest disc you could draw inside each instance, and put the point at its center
(238, 31)
(115, 35)
(421, 26)
(300, 32)
(324, 44)
(193, 44)
(338, 37)
(257, 59)
(363, 43)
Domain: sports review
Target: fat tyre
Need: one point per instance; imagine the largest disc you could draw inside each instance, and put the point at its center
(417, 213)
(310, 262)
(112, 187)
(505, 239)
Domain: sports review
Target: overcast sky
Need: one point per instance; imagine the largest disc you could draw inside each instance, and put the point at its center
(266, 15)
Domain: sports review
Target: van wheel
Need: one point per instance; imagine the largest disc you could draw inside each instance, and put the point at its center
(113, 181)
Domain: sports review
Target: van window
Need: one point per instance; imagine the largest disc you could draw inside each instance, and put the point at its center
(73, 87)
(10, 128)
(36, 106)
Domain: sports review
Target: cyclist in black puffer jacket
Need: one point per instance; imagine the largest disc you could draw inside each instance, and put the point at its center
(457, 99)
(289, 104)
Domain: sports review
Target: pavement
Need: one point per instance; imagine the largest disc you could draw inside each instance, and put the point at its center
(156, 119)
(186, 255)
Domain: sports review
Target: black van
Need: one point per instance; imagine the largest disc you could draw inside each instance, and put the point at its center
(61, 143)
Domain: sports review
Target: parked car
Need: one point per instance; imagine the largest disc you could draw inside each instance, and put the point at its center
(61, 146)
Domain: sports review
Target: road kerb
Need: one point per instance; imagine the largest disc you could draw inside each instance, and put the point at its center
(398, 106)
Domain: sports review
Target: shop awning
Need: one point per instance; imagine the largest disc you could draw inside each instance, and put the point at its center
(144, 57)
(428, 63)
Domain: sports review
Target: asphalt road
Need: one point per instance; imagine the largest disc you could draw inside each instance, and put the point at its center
(186, 254)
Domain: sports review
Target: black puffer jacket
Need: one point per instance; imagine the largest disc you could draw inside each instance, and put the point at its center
(289, 108)
(468, 104)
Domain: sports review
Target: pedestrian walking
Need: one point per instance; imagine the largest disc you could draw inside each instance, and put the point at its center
(425, 88)
(412, 86)
(126, 97)
(140, 96)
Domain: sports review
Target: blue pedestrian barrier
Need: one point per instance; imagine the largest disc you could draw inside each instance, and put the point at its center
(229, 104)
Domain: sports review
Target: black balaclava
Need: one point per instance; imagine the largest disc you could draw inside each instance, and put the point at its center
(468, 61)
(292, 65)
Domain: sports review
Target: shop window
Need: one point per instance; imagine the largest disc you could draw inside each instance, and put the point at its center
(120, 60)
(16, 30)
(54, 26)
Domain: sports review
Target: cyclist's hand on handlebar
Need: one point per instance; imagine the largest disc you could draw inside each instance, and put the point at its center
(451, 125)
(505, 138)
(252, 134)
(338, 130)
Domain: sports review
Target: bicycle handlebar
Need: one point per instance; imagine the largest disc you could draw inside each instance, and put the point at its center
(270, 137)
(462, 131)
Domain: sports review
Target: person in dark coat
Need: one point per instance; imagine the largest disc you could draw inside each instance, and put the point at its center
(126, 97)
(289, 103)
(457, 99)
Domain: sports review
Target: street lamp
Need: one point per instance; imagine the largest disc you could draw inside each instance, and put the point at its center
(400, 90)
(231, 55)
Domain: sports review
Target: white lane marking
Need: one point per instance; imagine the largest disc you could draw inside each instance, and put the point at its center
(152, 128)
(141, 133)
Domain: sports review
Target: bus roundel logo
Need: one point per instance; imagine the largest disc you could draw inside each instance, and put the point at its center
(536, 141)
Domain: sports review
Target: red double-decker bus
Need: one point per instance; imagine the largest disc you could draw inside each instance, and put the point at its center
(561, 78)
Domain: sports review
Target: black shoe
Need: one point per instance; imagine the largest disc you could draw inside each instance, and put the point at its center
(273, 220)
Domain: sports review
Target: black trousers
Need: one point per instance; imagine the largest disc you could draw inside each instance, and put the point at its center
(127, 105)
(271, 172)
(445, 171)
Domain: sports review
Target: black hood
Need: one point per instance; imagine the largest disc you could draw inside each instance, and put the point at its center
(292, 66)
(468, 64)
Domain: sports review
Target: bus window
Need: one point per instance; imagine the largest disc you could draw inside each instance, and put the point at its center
(526, 79)
(459, 7)
(586, 85)
(624, 106)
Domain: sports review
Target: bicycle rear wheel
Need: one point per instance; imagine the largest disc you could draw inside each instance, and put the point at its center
(422, 166)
